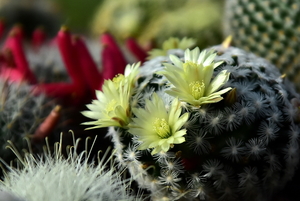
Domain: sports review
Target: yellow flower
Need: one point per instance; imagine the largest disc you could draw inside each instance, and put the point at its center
(158, 127)
(191, 80)
(172, 43)
(112, 107)
(131, 72)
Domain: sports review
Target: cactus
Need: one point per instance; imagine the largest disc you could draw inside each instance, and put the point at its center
(270, 29)
(52, 176)
(203, 126)
(20, 115)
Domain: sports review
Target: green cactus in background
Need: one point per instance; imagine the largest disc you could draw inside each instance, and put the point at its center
(270, 29)
(193, 21)
(128, 18)
(221, 124)
(158, 20)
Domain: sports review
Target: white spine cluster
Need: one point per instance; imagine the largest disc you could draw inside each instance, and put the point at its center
(52, 177)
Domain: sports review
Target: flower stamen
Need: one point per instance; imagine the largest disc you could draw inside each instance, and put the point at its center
(117, 79)
(197, 88)
(162, 128)
(111, 105)
(193, 80)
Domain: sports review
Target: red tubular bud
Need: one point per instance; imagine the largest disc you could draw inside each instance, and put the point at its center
(2, 58)
(69, 56)
(2, 27)
(119, 61)
(14, 44)
(57, 90)
(48, 124)
(109, 64)
(88, 66)
(17, 31)
(68, 93)
(138, 52)
(11, 74)
(7, 59)
(38, 37)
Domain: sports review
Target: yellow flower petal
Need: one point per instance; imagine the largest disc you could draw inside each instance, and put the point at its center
(158, 127)
(191, 80)
(112, 106)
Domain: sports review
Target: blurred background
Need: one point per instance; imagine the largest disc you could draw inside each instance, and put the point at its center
(148, 21)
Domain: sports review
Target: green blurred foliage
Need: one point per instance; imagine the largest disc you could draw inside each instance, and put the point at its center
(77, 14)
(157, 20)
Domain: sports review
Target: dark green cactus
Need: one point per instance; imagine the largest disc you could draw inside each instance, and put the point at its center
(270, 29)
(203, 126)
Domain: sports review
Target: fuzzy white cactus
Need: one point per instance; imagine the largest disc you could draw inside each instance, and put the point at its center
(53, 177)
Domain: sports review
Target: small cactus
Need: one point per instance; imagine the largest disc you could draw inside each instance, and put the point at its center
(21, 113)
(51, 176)
(221, 124)
(270, 29)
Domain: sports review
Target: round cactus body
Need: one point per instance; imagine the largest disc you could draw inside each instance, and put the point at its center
(20, 114)
(60, 177)
(270, 29)
(232, 135)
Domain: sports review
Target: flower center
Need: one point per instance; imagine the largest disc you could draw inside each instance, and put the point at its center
(117, 79)
(162, 128)
(197, 88)
(111, 105)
